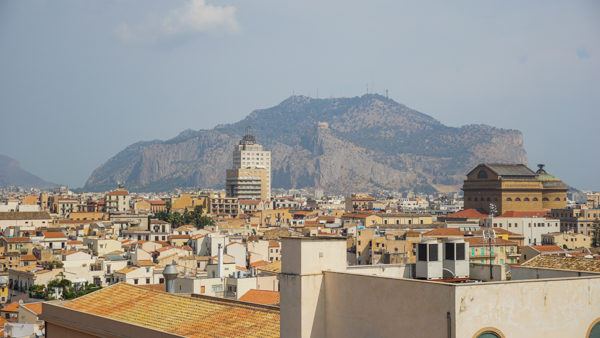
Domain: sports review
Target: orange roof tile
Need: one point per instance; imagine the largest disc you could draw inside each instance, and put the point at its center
(119, 192)
(467, 213)
(264, 297)
(547, 248)
(53, 234)
(184, 316)
(36, 308)
(480, 241)
(444, 232)
(11, 307)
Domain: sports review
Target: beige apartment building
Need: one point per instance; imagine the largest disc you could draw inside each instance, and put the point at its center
(405, 218)
(580, 219)
(567, 240)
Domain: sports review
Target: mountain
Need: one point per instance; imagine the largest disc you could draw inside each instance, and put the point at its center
(365, 144)
(11, 174)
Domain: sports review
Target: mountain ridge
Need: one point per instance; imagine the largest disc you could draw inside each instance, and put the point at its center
(365, 143)
(11, 174)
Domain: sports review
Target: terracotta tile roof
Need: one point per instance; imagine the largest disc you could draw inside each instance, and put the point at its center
(258, 263)
(11, 307)
(547, 248)
(119, 192)
(480, 241)
(444, 232)
(153, 287)
(53, 234)
(564, 263)
(467, 213)
(274, 244)
(264, 297)
(145, 262)
(36, 308)
(274, 267)
(179, 315)
(127, 269)
(28, 258)
(17, 239)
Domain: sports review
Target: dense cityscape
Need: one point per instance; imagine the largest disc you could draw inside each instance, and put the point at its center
(277, 263)
(299, 169)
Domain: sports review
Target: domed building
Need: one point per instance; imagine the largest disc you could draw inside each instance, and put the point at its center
(513, 187)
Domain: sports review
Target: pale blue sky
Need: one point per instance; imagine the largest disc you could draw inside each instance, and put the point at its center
(81, 80)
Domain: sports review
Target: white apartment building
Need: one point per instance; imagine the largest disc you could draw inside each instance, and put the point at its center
(532, 228)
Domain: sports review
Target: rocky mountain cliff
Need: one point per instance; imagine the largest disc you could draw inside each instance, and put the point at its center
(11, 174)
(342, 145)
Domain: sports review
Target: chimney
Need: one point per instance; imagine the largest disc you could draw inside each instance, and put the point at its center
(170, 273)
(220, 261)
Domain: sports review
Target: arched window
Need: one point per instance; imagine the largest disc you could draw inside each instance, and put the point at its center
(594, 330)
(545, 199)
(518, 199)
(489, 333)
(557, 199)
(535, 199)
(508, 199)
(526, 199)
(482, 174)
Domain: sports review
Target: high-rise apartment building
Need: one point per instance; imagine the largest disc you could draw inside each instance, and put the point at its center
(250, 177)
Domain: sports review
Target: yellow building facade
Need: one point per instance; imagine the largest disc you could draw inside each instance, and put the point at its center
(513, 187)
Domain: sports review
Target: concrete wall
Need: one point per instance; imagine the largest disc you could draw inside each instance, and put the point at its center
(482, 271)
(529, 309)
(369, 306)
(524, 272)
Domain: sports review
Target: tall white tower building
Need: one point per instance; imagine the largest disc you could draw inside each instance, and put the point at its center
(250, 177)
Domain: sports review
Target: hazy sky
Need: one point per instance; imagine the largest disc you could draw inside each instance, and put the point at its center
(81, 80)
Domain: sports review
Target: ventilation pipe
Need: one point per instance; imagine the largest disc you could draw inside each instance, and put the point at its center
(170, 274)
(220, 261)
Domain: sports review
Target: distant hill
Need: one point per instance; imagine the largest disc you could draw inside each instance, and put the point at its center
(11, 174)
(366, 143)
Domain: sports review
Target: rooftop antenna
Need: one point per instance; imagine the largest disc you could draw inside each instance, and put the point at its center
(489, 234)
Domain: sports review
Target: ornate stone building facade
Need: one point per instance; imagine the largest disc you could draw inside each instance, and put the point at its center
(513, 187)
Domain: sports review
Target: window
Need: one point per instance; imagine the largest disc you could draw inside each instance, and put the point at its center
(518, 199)
(482, 174)
(147, 280)
(422, 252)
(508, 199)
(449, 251)
(460, 251)
(433, 252)
(135, 281)
(488, 334)
(595, 330)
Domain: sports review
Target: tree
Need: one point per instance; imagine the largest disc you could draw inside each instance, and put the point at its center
(176, 219)
(596, 234)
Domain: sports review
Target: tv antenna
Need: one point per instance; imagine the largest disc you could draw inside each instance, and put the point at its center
(489, 234)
